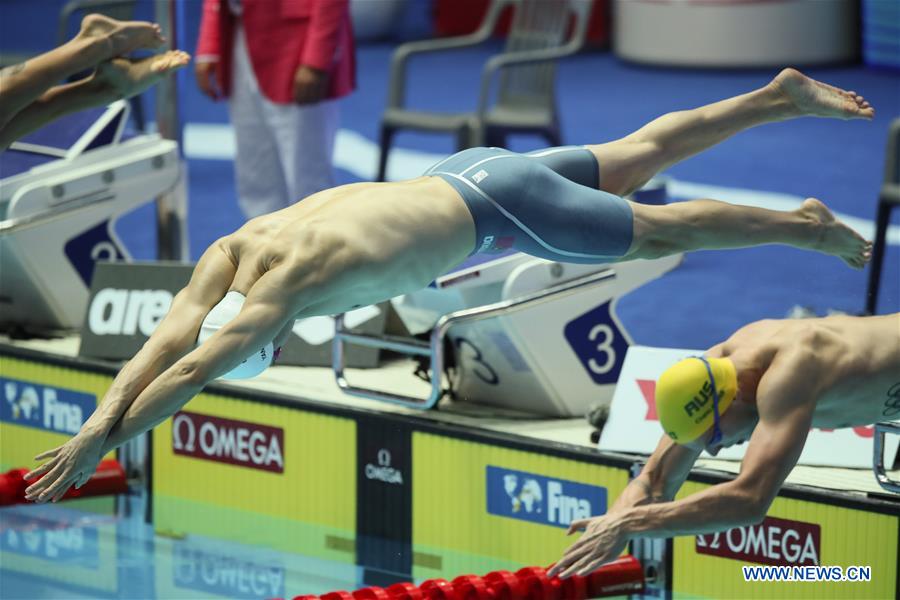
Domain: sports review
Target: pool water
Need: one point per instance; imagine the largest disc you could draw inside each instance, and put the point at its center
(95, 549)
(102, 548)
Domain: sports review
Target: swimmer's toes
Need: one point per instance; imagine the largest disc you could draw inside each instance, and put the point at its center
(854, 262)
(813, 97)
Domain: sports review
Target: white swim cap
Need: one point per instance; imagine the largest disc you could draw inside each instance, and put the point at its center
(223, 312)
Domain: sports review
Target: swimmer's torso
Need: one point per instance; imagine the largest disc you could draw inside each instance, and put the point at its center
(368, 241)
(857, 360)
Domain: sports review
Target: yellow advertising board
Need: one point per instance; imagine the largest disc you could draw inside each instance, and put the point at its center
(479, 507)
(265, 474)
(795, 533)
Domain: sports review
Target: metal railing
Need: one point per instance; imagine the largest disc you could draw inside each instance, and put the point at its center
(881, 430)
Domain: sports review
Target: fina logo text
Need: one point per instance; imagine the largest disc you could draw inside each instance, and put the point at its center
(67, 543)
(538, 499)
(383, 471)
(44, 407)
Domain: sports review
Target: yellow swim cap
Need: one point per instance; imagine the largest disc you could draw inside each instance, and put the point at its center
(684, 398)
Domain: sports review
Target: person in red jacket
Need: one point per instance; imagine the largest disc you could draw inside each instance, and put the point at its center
(282, 64)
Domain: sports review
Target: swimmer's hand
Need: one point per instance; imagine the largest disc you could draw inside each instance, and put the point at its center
(603, 541)
(73, 463)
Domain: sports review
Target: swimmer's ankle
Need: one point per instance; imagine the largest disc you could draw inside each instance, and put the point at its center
(778, 101)
(91, 50)
(814, 225)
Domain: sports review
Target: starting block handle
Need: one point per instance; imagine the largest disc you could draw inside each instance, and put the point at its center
(435, 347)
(881, 430)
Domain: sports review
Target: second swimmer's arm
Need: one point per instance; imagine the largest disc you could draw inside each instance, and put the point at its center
(661, 477)
(785, 401)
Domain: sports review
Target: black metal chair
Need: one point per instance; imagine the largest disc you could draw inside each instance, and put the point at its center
(526, 97)
(888, 200)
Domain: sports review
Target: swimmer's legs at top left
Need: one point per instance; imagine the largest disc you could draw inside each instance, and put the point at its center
(30, 96)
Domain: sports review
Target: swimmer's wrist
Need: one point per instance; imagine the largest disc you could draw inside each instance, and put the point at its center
(629, 522)
(95, 431)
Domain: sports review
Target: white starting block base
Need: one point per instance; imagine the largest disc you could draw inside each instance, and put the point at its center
(557, 358)
(57, 218)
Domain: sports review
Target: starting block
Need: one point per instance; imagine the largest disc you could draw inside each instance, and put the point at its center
(528, 334)
(61, 191)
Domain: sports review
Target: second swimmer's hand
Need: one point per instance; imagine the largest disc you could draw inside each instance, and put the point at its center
(603, 540)
(73, 463)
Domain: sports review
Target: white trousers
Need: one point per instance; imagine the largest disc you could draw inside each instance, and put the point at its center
(284, 151)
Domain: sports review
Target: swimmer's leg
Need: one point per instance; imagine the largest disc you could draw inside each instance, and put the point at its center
(100, 39)
(710, 224)
(628, 163)
(113, 80)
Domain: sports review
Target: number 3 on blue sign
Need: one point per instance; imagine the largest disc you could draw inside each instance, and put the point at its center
(598, 343)
(485, 372)
(604, 348)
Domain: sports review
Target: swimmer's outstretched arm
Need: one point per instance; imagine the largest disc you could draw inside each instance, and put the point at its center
(264, 314)
(268, 307)
(270, 304)
(786, 403)
(661, 478)
(173, 338)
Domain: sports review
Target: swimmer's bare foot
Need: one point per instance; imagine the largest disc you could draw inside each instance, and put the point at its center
(120, 37)
(814, 98)
(125, 77)
(833, 237)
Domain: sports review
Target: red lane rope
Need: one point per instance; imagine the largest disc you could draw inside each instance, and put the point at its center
(108, 479)
(620, 577)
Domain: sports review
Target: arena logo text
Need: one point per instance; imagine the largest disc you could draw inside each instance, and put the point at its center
(116, 311)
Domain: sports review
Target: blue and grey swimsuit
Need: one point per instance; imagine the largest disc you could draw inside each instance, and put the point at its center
(545, 203)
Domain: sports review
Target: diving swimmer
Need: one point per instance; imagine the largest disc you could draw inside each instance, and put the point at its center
(363, 243)
(768, 384)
